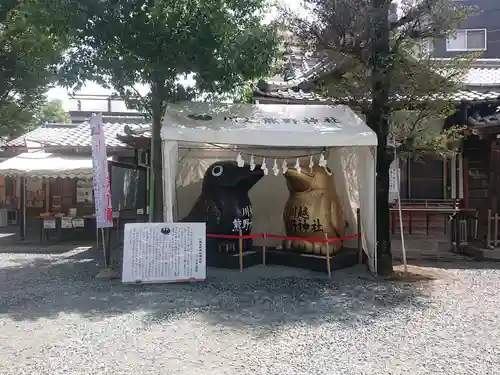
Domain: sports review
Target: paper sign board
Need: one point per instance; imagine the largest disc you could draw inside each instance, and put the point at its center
(49, 223)
(164, 252)
(66, 222)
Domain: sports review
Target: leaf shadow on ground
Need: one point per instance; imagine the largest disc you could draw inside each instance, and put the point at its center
(37, 287)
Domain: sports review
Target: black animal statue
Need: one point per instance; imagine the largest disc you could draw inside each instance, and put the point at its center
(224, 206)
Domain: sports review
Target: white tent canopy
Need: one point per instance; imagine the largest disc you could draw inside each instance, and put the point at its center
(47, 165)
(195, 135)
(267, 125)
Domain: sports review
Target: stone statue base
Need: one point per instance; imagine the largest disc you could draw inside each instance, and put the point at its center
(344, 258)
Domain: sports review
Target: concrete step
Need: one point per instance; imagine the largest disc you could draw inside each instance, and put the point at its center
(480, 253)
(422, 247)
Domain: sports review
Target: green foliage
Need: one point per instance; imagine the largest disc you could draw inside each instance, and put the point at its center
(15, 122)
(52, 112)
(420, 132)
(221, 42)
(29, 51)
(244, 94)
(414, 80)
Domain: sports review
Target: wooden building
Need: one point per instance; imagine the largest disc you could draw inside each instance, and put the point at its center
(59, 192)
(481, 155)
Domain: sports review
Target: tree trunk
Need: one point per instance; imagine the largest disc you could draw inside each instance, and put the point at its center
(384, 252)
(378, 120)
(156, 176)
(157, 168)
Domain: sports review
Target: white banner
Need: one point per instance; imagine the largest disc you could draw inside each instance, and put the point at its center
(102, 190)
(164, 252)
(394, 177)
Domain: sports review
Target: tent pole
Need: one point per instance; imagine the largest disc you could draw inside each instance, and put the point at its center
(46, 183)
(106, 251)
(22, 207)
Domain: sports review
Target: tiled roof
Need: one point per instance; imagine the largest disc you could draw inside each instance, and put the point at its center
(482, 77)
(299, 67)
(78, 136)
(113, 117)
(482, 72)
(290, 94)
(131, 134)
(42, 134)
(303, 75)
(137, 120)
(472, 96)
(299, 95)
(137, 131)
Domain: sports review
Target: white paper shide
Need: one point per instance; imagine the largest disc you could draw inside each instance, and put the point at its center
(164, 252)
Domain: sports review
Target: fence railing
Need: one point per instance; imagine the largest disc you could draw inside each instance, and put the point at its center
(423, 217)
(439, 217)
(493, 230)
(463, 227)
(432, 203)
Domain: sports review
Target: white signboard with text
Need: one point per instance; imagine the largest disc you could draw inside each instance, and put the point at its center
(101, 185)
(164, 252)
(394, 177)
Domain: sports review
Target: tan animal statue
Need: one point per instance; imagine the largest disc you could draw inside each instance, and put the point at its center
(313, 209)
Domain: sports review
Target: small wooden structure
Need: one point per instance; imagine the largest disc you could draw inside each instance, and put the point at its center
(64, 182)
(481, 162)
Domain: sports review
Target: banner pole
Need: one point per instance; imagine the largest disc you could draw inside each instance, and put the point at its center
(104, 252)
(102, 191)
(400, 212)
(96, 237)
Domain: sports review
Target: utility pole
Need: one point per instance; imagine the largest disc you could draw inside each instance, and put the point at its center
(378, 120)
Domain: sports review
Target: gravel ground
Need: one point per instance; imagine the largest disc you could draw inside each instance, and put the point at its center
(56, 319)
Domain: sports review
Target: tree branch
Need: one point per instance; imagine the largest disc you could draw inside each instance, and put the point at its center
(413, 14)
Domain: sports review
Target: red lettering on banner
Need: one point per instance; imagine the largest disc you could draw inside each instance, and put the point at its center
(109, 215)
